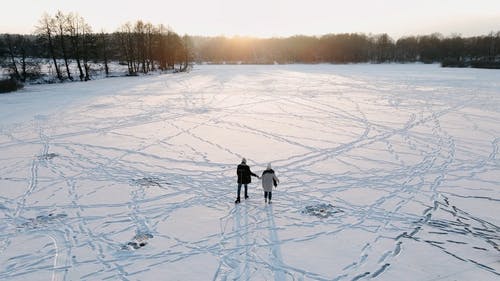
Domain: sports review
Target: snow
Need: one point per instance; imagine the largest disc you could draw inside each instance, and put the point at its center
(388, 172)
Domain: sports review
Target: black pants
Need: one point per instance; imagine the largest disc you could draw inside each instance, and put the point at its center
(239, 190)
(268, 195)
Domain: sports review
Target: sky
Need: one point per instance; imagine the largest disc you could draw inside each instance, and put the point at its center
(269, 18)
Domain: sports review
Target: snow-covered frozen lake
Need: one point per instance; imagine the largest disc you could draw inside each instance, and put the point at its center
(388, 172)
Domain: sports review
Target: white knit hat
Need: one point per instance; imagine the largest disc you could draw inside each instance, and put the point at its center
(269, 166)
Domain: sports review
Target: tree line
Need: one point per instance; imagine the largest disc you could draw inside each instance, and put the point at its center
(348, 48)
(70, 45)
(72, 50)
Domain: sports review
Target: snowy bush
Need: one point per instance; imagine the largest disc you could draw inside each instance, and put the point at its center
(9, 85)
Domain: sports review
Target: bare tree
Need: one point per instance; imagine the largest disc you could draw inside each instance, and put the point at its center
(187, 51)
(161, 53)
(172, 49)
(61, 22)
(150, 36)
(139, 32)
(12, 56)
(104, 51)
(46, 31)
(125, 37)
(88, 44)
(75, 29)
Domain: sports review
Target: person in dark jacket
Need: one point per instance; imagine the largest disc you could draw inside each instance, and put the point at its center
(244, 178)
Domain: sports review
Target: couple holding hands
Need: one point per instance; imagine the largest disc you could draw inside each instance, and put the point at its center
(268, 177)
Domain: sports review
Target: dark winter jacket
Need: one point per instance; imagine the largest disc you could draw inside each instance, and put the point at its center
(244, 174)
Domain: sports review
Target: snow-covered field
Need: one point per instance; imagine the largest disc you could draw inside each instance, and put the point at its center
(388, 172)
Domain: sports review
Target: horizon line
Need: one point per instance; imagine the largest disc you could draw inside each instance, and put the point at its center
(233, 36)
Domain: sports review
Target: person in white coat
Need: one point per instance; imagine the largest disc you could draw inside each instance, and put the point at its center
(269, 180)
